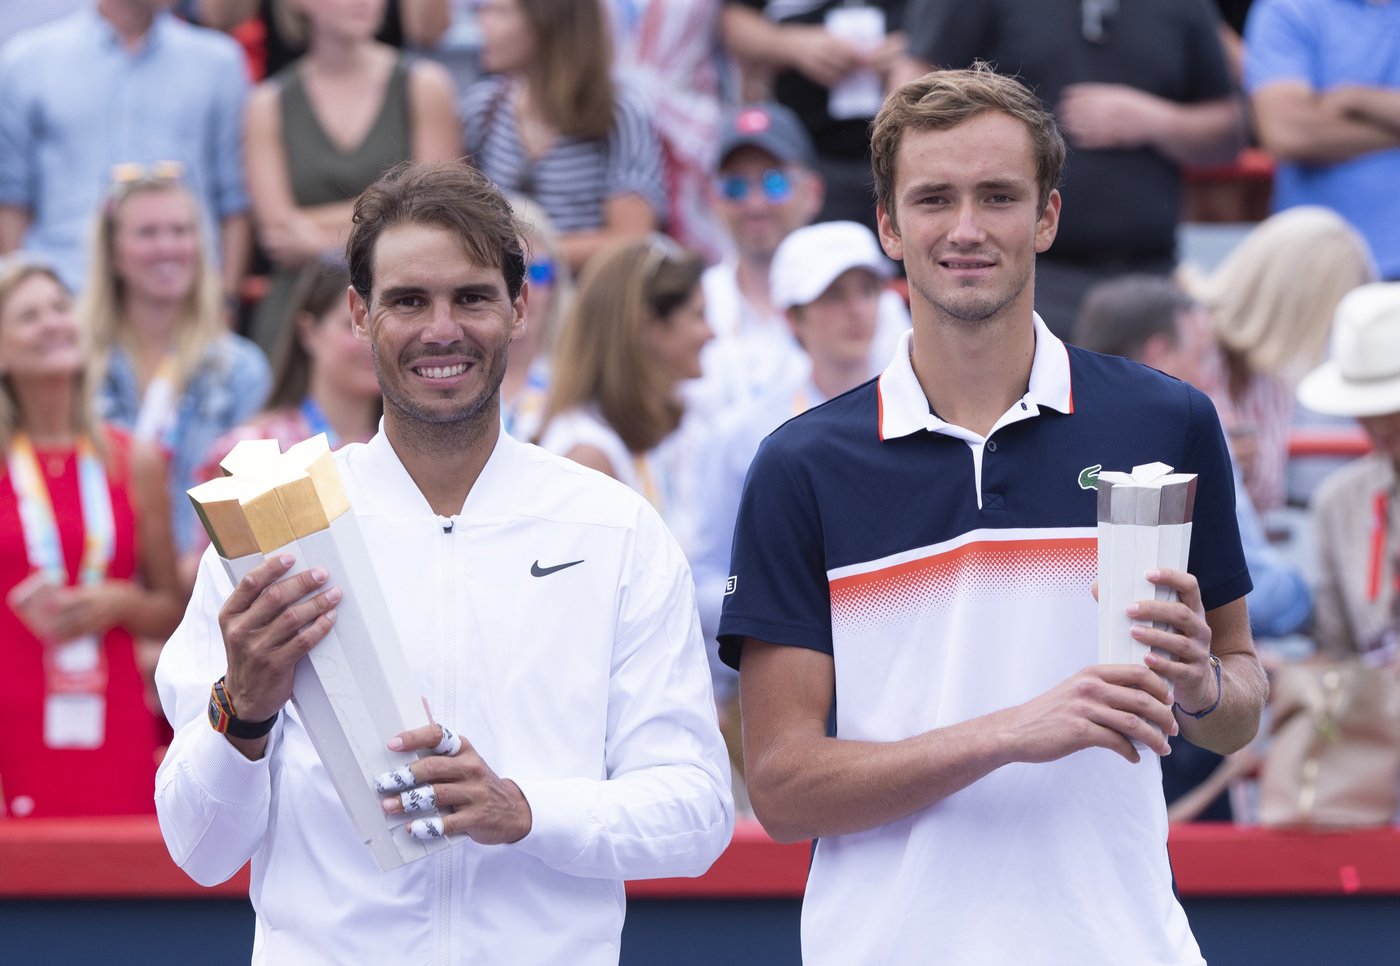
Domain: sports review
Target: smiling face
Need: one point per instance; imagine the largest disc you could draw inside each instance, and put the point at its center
(438, 325)
(763, 217)
(969, 220)
(39, 334)
(155, 245)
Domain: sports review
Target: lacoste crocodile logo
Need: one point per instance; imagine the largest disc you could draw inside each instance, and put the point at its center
(1089, 477)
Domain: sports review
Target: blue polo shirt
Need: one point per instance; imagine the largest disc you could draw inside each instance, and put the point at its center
(948, 574)
(1325, 44)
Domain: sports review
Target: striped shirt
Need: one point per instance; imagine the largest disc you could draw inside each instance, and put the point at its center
(573, 179)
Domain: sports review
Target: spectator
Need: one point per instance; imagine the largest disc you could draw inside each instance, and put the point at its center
(766, 188)
(325, 128)
(124, 81)
(555, 127)
(324, 377)
(1140, 90)
(15, 17)
(171, 372)
(1356, 516)
(1149, 319)
(85, 563)
(830, 63)
(1271, 303)
(525, 388)
(406, 23)
(827, 281)
(1324, 81)
(634, 333)
(670, 51)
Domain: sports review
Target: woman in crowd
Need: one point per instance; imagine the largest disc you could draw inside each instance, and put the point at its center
(86, 562)
(324, 380)
(525, 388)
(553, 125)
(325, 128)
(632, 336)
(1356, 510)
(1271, 304)
(171, 372)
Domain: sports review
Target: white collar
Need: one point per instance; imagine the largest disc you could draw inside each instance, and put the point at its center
(386, 489)
(904, 409)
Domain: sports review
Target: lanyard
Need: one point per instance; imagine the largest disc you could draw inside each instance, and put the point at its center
(41, 539)
(1380, 530)
(316, 418)
(155, 421)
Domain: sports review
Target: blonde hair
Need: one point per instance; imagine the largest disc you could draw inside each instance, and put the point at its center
(14, 272)
(601, 357)
(102, 307)
(1271, 300)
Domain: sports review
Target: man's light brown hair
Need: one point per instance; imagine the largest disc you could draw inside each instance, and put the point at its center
(944, 99)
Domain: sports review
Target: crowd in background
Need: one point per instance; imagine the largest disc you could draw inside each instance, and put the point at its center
(694, 187)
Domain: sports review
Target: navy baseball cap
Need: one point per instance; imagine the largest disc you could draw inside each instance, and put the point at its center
(769, 127)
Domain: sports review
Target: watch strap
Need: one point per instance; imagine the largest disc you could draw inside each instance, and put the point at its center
(224, 720)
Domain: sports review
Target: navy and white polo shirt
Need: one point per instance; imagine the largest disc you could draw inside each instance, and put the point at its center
(948, 575)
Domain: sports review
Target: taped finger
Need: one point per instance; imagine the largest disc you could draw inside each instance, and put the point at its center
(422, 799)
(450, 743)
(395, 780)
(426, 829)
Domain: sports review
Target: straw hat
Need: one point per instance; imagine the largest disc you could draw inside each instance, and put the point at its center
(1363, 376)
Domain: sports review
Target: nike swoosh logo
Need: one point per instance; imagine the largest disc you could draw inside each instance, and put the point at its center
(537, 571)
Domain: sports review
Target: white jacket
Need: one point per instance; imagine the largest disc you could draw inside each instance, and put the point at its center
(587, 686)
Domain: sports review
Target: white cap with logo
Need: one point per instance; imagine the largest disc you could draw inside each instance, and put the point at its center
(810, 259)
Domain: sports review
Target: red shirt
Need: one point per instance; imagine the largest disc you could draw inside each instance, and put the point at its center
(118, 777)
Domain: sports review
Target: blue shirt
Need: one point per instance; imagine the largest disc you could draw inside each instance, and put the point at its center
(74, 103)
(224, 392)
(1326, 44)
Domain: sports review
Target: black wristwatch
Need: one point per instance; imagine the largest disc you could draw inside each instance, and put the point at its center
(224, 720)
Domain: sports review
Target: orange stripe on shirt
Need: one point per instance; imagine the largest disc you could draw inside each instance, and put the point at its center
(1004, 554)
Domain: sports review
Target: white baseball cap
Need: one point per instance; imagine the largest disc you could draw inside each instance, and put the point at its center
(1363, 376)
(810, 259)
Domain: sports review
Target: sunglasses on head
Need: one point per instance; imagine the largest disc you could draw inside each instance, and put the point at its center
(775, 185)
(130, 171)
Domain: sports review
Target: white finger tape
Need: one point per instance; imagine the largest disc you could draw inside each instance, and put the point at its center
(450, 743)
(426, 829)
(422, 799)
(396, 780)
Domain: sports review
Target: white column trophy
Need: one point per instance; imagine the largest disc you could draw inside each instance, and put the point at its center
(1144, 524)
(353, 691)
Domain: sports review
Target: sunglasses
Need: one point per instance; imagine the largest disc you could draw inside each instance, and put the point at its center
(775, 185)
(130, 171)
(541, 271)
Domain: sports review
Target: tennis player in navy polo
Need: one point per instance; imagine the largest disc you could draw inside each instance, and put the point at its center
(911, 608)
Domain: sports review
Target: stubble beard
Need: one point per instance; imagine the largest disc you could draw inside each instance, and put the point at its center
(977, 309)
(445, 427)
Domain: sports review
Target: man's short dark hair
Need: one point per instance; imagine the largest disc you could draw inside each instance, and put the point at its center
(1120, 316)
(451, 195)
